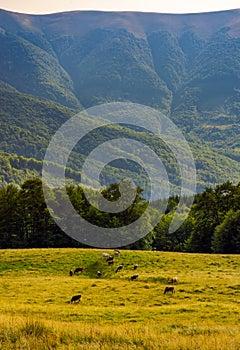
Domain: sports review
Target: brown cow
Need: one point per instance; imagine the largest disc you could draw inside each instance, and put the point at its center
(109, 258)
(134, 277)
(116, 252)
(169, 290)
(75, 299)
(78, 269)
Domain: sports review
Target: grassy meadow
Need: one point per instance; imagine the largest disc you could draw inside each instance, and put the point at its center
(115, 312)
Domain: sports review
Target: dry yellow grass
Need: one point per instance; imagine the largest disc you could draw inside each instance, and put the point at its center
(116, 313)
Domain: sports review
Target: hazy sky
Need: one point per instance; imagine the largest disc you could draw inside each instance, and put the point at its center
(169, 6)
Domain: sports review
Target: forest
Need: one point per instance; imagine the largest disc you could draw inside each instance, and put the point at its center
(212, 225)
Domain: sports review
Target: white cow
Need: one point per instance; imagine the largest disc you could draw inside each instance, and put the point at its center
(173, 280)
(105, 255)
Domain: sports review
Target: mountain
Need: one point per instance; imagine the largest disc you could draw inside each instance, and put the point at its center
(91, 57)
(186, 66)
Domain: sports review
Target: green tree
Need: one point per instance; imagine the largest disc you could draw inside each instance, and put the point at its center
(226, 238)
(11, 223)
(37, 220)
(163, 239)
(209, 212)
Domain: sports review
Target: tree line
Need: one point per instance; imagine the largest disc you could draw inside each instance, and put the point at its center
(212, 226)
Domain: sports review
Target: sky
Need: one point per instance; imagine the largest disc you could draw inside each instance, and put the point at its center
(162, 6)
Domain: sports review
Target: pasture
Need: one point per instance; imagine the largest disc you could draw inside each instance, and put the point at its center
(116, 312)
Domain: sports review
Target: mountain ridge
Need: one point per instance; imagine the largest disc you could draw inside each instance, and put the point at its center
(170, 22)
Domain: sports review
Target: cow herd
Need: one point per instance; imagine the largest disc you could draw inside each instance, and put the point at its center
(110, 261)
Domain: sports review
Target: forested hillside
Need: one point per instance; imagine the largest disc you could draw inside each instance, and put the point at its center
(186, 66)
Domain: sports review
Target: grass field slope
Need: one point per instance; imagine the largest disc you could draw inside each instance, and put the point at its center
(115, 312)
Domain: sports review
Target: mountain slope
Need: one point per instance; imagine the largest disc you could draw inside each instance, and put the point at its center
(110, 65)
(27, 124)
(186, 66)
(32, 70)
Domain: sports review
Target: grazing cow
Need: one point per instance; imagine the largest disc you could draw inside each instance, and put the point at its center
(105, 255)
(71, 272)
(109, 258)
(99, 273)
(119, 268)
(134, 277)
(110, 262)
(169, 289)
(135, 267)
(78, 269)
(116, 252)
(173, 280)
(75, 299)
(154, 249)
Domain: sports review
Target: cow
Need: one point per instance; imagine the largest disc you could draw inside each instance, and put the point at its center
(173, 280)
(105, 255)
(99, 273)
(134, 277)
(135, 267)
(119, 268)
(169, 289)
(116, 252)
(70, 272)
(75, 299)
(109, 258)
(78, 269)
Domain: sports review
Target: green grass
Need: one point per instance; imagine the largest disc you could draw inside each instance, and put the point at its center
(115, 312)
